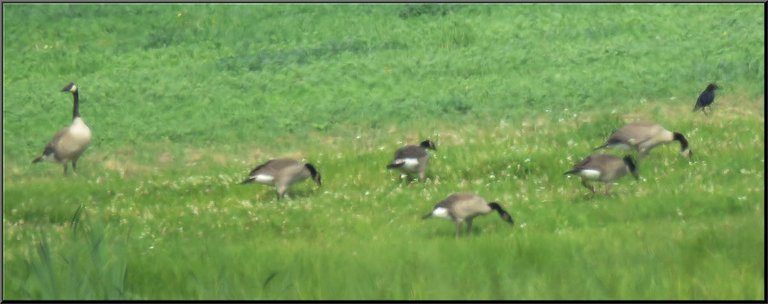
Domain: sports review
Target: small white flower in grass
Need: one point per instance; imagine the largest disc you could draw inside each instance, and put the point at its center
(523, 225)
(742, 198)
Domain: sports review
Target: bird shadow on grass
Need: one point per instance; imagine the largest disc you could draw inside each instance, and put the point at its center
(410, 180)
(298, 194)
(594, 197)
(291, 195)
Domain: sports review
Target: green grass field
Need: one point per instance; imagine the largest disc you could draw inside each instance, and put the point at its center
(184, 100)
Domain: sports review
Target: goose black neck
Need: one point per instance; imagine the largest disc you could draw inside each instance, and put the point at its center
(311, 169)
(631, 165)
(497, 207)
(315, 175)
(683, 142)
(76, 106)
(427, 144)
(504, 215)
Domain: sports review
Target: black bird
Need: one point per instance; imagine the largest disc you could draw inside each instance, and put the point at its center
(706, 98)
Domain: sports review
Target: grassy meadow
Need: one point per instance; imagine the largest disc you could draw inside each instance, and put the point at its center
(185, 99)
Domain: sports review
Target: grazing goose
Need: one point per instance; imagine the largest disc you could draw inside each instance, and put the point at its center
(412, 158)
(644, 136)
(706, 98)
(282, 173)
(605, 168)
(464, 207)
(69, 143)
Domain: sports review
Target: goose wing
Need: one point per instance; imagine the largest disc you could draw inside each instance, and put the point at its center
(50, 148)
(259, 168)
(410, 152)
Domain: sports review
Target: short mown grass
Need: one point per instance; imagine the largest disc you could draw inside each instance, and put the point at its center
(184, 100)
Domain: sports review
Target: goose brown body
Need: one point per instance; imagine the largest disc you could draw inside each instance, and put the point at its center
(282, 173)
(643, 137)
(413, 159)
(69, 143)
(464, 207)
(604, 168)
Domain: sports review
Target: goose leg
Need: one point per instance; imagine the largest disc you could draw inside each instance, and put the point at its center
(643, 153)
(588, 186)
(281, 189)
(608, 188)
(469, 226)
(65, 169)
(458, 229)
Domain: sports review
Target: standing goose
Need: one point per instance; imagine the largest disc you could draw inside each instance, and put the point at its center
(69, 143)
(644, 136)
(282, 173)
(605, 168)
(412, 158)
(706, 98)
(464, 207)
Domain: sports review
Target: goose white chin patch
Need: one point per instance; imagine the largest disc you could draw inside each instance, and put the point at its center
(262, 178)
(590, 174)
(441, 213)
